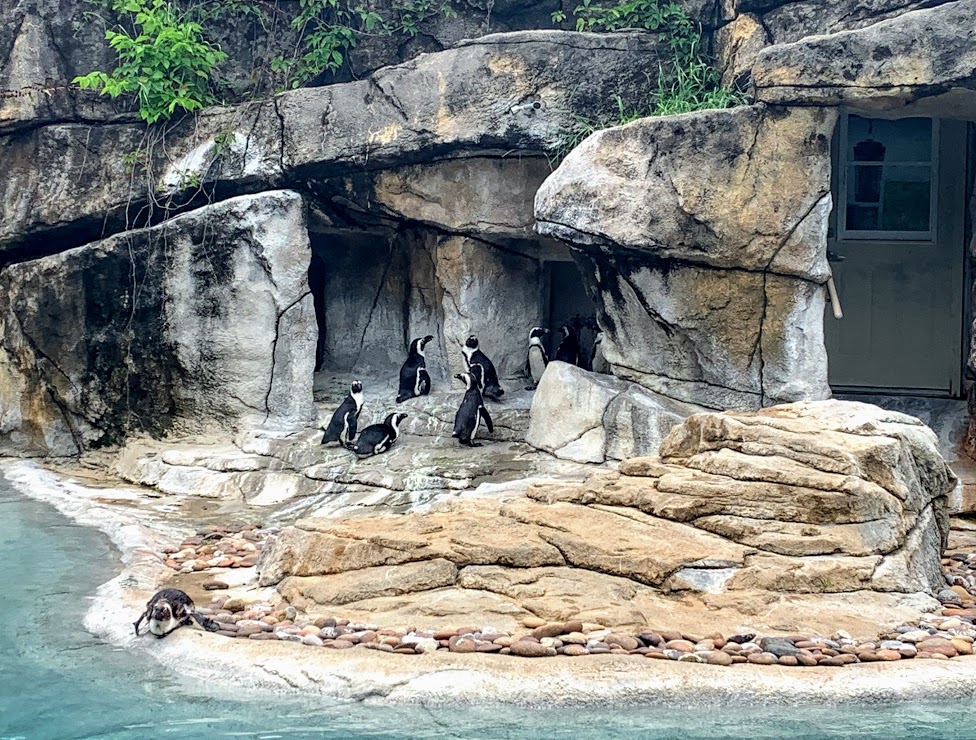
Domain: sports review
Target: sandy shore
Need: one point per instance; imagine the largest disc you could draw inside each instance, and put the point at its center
(139, 532)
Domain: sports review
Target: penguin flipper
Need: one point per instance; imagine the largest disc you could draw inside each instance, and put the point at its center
(351, 424)
(424, 382)
(205, 622)
(486, 418)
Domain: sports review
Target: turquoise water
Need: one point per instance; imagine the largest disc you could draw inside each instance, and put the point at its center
(57, 681)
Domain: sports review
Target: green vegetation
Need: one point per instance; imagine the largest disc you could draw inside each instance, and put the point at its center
(329, 28)
(686, 82)
(163, 59)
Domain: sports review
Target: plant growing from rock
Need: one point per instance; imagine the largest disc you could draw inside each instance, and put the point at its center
(164, 60)
(329, 28)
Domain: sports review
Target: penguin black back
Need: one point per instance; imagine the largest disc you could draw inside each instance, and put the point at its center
(569, 349)
(342, 427)
(474, 356)
(472, 411)
(378, 438)
(414, 378)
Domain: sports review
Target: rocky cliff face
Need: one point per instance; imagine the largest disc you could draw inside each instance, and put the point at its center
(200, 325)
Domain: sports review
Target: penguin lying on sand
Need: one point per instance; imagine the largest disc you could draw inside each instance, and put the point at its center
(342, 428)
(472, 411)
(378, 438)
(414, 378)
(474, 356)
(535, 363)
(569, 349)
(598, 363)
(169, 609)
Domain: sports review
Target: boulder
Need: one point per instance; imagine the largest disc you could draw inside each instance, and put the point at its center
(704, 250)
(589, 417)
(884, 65)
(369, 583)
(622, 541)
(470, 534)
(203, 324)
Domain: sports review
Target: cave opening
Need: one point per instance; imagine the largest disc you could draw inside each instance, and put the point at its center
(376, 289)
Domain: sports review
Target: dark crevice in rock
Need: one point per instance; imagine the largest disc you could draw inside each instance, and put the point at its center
(274, 347)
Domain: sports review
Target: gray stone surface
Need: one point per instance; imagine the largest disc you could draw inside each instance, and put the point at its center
(448, 104)
(703, 242)
(887, 64)
(202, 324)
(587, 417)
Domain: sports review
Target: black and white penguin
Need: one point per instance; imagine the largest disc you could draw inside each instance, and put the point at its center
(342, 428)
(474, 356)
(535, 363)
(378, 438)
(569, 349)
(169, 609)
(598, 363)
(414, 378)
(471, 412)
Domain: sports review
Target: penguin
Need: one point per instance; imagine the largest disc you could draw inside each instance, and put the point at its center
(414, 378)
(378, 438)
(535, 363)
(569, 350)
(474, 356)
(342, 428)
(170, 609)
(471, 412)
(598, 363)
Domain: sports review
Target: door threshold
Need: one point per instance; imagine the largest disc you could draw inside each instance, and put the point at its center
(854, 390)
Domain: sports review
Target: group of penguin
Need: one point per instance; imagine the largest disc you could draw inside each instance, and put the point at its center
(480, 381)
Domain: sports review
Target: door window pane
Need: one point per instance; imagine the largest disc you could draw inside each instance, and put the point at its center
(889, 173)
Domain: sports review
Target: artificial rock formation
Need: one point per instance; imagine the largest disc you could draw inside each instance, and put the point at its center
(454, 103)
(702, 239)
(202, 324)
(825, 505)
(915, 55)
(599, 417)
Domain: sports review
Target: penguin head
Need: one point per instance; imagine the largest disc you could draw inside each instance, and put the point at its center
(426, 340)
(566, 331)
(162, 611)
(471, 342)
(465, 378)
(395, 419)
(356, 387)
(417, 345)
(538, 332)
(599, 338)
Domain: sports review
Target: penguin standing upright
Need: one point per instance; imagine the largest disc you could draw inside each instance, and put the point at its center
(471, 412)
(598, 363)
(342, 428)
(414, 378)
(569, 349)
(474, 356)
(535, 363)
(378, 438)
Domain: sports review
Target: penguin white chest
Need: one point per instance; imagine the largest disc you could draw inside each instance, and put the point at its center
(537, 363)
(163, 626)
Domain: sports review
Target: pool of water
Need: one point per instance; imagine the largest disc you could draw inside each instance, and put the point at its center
(59, 682)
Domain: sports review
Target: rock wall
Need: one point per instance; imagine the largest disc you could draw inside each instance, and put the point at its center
(702, 239)
(202, 324)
